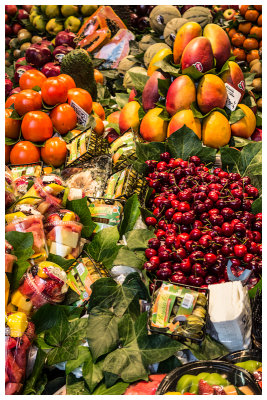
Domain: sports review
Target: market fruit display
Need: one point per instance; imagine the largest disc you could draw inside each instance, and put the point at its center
(133, 200)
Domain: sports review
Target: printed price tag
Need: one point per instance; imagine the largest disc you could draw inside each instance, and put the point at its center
(82, 115)
(233, 97)
(187, 301)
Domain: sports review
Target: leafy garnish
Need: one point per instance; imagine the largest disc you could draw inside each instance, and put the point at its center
(131, 213)
(81, 208)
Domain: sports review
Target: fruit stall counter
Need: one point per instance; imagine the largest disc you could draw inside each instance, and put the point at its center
(133, 200)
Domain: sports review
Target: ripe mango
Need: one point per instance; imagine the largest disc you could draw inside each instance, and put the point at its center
(186, 33)
(181, 94)
(211, 93)
(220, 43)
(216, 130)
(234, 77)
(150, 94)
(160, 55)
(129, 117)
(153, 128)
(184, 117)
(246, 125)
(198, 53)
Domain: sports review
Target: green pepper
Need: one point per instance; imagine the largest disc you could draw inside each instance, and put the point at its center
(216, 380)
(194, 385)
(250, 365)
(184, 383)
(203, 375)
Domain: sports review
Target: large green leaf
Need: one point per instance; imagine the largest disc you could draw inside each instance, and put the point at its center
(209, 349)
(138, 80)
(134, 259)
(81, 208)
(50, 315)
(131, 213)
(166, 66)
(198, 114)
(185, 143)
(149, 151)
(76, 386)
(257, 206)
(106, 293)
(106, 322)
(122, 99)
(62, 262)
(134, 282)
(103, 247)
(31, 383)
(236, 116)
(83, 355)
(64, 338)
(117, 389)
(137, 239)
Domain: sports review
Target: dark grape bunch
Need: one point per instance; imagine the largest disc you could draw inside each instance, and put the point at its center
(140, 16)
(201, 220)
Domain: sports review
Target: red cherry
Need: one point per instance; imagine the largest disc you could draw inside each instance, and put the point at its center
(240, 250)
(151, 221)
(210, 258)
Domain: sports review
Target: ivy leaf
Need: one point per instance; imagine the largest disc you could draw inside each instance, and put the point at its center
(137, 239)
(240, 142)
(165, 66)
(106, 322)
(134, 259)
(139, 80)
(76, 386)
(185, 143)
(64, 339)
(83, 355)
(107, 294)
(134, 282)
(163, 86)
(199, 115)
(117, 389)
(30, 386)
(92, 373)
(62, 262)
(257, 206)
(131, 213)
(209, 349)
(149, 151)
(81, 208)
(236, 116)
(22, 243)
(103, 247)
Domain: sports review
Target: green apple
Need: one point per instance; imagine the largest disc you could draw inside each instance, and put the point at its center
(67, 11)
(72, 23)
(39, 23)
(53, 27)
(52, 11)
(88, 10)
(33, 14)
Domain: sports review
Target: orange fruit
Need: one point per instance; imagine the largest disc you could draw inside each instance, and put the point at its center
(258, 7)
(253, 55)
(114, 117)
(99, 128)
(24, 152)
(259, 20)
(99, 110)
(99, 78)
(81, 97)
(27, 100)
(67, 80)
(12, 126)
(238, 39)
(243, 10)
(36, 126)
(54, 152)
(231, 32)
(240, 54)
(250, 44)
(257, 31)
(7, 153)
(64, 118)
(245, 27)
(252, 15)
(10, 100)
(31, 78)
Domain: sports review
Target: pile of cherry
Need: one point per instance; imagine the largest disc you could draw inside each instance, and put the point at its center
(201, 220)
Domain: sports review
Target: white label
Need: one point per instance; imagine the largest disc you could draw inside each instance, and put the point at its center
(233, 97)
(80, 269)
(187, 301)
(59, 57)
(82, 115)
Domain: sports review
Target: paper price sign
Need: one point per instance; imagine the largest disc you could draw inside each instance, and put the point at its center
(233, 97)
(82, 115)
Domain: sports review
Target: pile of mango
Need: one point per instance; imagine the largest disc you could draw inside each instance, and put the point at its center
(195, 95)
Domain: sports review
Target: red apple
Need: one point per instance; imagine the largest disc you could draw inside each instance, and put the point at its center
(23, 14)
(184, 8)
(11, 10)
(27, 8)
(229, 14)
(257, 135)
(217, 9)
(6, 18)
(8, 30)
(16, 27)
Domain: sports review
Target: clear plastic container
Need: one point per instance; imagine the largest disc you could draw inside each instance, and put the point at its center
(63, 233)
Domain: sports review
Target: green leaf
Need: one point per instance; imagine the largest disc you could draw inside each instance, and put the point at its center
(37, 89)
(22, 243)
(62, 262)
(117, 389)
(76, 386)
(165, 115)
(106, 293)
(50, 315)
(163, 86)
(134, 259)
(225, 66)
(197, 113)
(122, 99)
(137, 239)
(131, 213)
(240, 142)
(230, 158)
(259, 119)
(236, 116)
(252, 292)
(149, 151)
(192, 72)
(65, 338)
(257, 206)
(168, 365)
(10, 142)
(138, 80)
(141, 112)
(92, 373)
(134, 282)
(15, 115)
(165, 66)
(83, 355)
(106, 322)
(81, 208)
(103, 247)
(30, 385)
(113, 126)
(185, 143)
(146, 213)
(209, 349)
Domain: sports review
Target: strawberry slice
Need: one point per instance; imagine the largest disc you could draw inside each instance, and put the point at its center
(204, 388)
